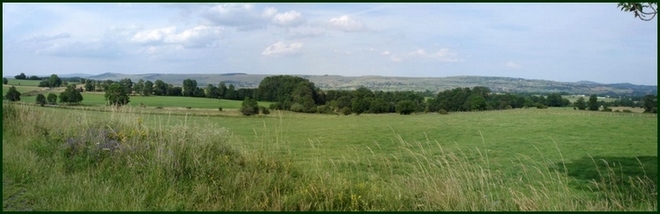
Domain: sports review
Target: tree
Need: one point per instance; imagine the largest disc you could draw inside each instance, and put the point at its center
(139, 87)
(54, 81)
(222, 90)
(5, 81)
(41, 99)
(593, 103)
(148, 88)
(127, 84)
(249, 107)
(405, 107)
(71, 95)
(20, 76)
(160, 88)
(264, 110)
(638, 9)
(117, 95)
(650, 104)
(189, 87)
(13, 94)
(580, 104)
(52, 99)
(89, 85)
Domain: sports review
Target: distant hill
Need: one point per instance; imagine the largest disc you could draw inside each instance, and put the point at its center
(385, 83)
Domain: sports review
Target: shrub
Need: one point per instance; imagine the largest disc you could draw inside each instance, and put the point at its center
(443, 111)
(13, 94)
(297, 107)
(219, 108)
(41, 99)
(627, 111)
(159, 107)
(541, 106)
(249, 107)
(264, 110)
(188, 107)
(52, 99)
(617, 110)
(405, 107)
(346, 111)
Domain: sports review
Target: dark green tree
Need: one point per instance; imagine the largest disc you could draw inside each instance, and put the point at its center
(160, 88)
(52, 99)
(650, 104)
(117, 95)
(5, 81)
(13, 94)
(139, 87)
(405, 107)
(54, 81)
(41, 99)
(592, 105)
(249, 107)
(127, 84)
(222, 90)
(189, 87)
(20, 76)
(89, 85)
(71, 95)
(581, 104)
(148, 88)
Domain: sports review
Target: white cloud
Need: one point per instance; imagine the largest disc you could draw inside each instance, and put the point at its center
(385, 53)
(153, 36)
(282, 49)
(241, 16)
(269, 12)
(512, 65)
(92, 49)
(199, 36)
(347, 24)
(291, 18)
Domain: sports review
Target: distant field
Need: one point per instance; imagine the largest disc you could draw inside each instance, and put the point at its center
(96, 98)
(16, 82)
(574, 98)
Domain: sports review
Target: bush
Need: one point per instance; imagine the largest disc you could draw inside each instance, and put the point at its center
(41, 99)
(249, 107)
(13, 94)
(541, 106)
(617, 110)
(219, 108)
(159, 107)
(324, 109)
(297, 107)
(443, 111)
(188, 107)
(346, 111)
(405, 107)
(627, 111)
(264, 110)
(52, 99)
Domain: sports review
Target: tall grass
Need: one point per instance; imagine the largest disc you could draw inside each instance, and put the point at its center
(114, 161)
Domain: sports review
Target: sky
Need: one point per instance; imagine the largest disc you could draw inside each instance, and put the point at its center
(559, 42)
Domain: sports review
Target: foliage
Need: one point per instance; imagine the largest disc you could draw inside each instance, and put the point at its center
(219, 108)
(297, 107)
(5, 81)
(346, 111)
(13, 94)
(443, 111)
(249, 107)
(264, 110)
(20, 76)
(592, 105)
(71, 95)
(650, 104)
(52, 98)
(581, 104)
(405, 107)
(41, 100)
(638, 9)
(117, 95)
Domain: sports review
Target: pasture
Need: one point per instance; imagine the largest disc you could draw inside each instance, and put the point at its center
(521, 159)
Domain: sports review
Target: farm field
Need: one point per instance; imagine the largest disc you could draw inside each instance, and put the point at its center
(521, 159)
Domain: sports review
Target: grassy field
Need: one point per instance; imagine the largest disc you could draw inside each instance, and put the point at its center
(574, 98)
(522, 159)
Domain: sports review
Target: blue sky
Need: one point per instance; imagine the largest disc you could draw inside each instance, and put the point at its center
(561, 42)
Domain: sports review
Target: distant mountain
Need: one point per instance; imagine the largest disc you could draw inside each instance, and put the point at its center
(385, 83)
(73, 75)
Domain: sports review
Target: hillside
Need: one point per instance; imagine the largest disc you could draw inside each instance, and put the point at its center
(496, 84)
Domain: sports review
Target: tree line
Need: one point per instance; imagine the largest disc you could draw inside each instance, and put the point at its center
(301, 95)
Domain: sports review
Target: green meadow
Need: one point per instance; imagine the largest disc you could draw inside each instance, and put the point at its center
(143, 158)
